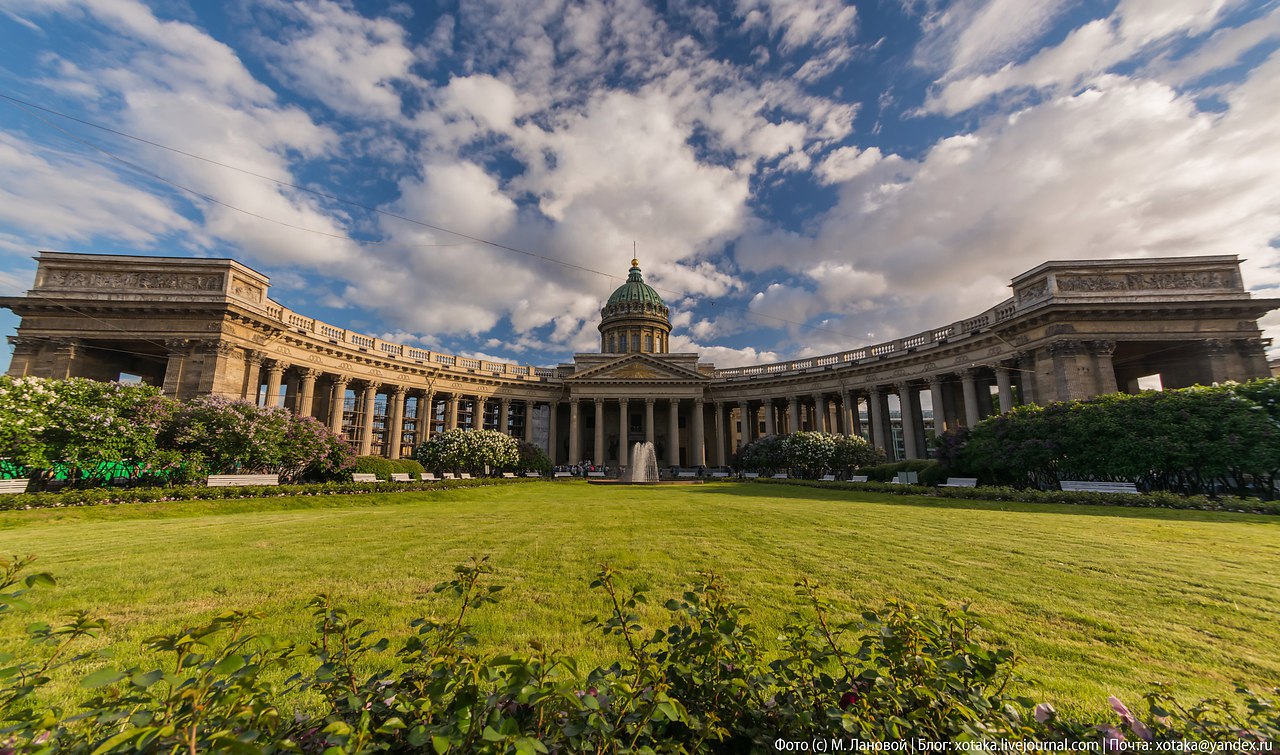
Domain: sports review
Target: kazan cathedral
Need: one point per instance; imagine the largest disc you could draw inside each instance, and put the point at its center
(1068, 330)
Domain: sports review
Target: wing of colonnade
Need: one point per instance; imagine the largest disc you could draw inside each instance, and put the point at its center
(1071, 330)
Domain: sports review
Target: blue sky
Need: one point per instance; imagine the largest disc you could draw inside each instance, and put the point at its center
(798, 176)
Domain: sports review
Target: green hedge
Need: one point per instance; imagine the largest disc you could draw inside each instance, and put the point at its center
(1159, 500)
(100, 496)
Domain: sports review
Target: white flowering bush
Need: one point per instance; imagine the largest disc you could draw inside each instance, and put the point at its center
(808, 454)
(24, 413)
(469, 450)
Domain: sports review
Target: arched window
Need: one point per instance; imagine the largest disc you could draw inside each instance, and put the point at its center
(613, 343)
(635, 342)
(648, 342)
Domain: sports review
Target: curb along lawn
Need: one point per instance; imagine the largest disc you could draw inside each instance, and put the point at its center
(1095, 600)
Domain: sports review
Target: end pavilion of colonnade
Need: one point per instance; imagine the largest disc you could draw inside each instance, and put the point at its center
(1070, 330)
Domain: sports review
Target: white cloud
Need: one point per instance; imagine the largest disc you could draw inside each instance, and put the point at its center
(978, 35)
(1135, 27)
(1222, 49)
(347, 61)
(846, 163)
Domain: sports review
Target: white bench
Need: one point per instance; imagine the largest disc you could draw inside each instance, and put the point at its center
(858, 478)
(564, 474)
(401, 477)
(428, 477)
(960, 482)
(464, 475)
(780, 476)
(1083, 486)
(720, 475)
(827, 478)
(595, 474)
(750, 475)
(686, 475)
(365, 477)
(906, 478)
(232, 480)
(532, 474)
(509, 475)
(14, 486)
(448, 476)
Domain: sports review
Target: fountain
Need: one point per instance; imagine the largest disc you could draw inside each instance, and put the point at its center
(644, 464)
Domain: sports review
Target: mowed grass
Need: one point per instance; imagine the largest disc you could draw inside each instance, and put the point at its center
(1094, 601)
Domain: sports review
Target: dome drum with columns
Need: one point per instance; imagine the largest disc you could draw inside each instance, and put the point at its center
(1070, 330)
(634, 320)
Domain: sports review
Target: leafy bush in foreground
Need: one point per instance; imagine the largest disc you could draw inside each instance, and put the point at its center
(702, 685)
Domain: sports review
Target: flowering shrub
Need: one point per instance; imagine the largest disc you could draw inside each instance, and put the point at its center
(701, 685)
(229, 436)
(808, 454)
(469, 450)
(1190, 440)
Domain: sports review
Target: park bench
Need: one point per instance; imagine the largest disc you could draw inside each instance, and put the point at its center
(827, 478)
(1084, 486)
(750, 475)
(14, 486)
(595, 474)
(509, 475)
(427, 477)
(448, 476)
(532, 474)
(858, 478)
(720, 475)
(401, 477)
(686, 475)
(960, 482)
(232, 480)
(780, 476)
(365, 477)
(464, 475)
(906, 478)
(564, 474)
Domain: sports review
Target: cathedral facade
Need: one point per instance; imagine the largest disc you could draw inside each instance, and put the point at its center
(1070, 330)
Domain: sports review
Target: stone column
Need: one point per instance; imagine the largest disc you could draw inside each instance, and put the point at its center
(793, 414)
(910, 421)
(855, 415)
(880, 434)
(720, 438)
(252, 376)
(528, 421)
(846, 414)
(396, 432)
(1252, 353)
(698, 457)
(575, 437)
(673, 434)
(477, 413)
(307, 390)
(338, 402)
(553, 442)
(939, 405)
(427, 421)
(275, 372)
(820, 412)
(767, 406)
(1103, 369)
(744, 423)
(972, 413)
(648, 420)
(597, 451)
(504, 416)
(366, 428)
(1026, 361)
(1220, 355)
(623, 427)
(451, 412)
(1004, 388)
(174, 370)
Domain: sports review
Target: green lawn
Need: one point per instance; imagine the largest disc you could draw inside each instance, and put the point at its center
(1095, 601)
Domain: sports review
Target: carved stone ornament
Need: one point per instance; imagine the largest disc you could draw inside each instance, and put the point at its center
(146, 281)
(1162, 281)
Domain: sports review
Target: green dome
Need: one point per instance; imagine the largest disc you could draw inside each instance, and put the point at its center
(635, 292)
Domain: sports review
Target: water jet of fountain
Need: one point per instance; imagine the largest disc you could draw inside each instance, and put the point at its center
(644, 464)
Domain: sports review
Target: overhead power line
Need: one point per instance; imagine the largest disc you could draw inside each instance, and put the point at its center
(28, 107)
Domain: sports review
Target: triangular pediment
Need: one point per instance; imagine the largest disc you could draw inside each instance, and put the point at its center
(637, 367)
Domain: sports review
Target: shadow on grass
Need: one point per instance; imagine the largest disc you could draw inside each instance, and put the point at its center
(806, 492)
